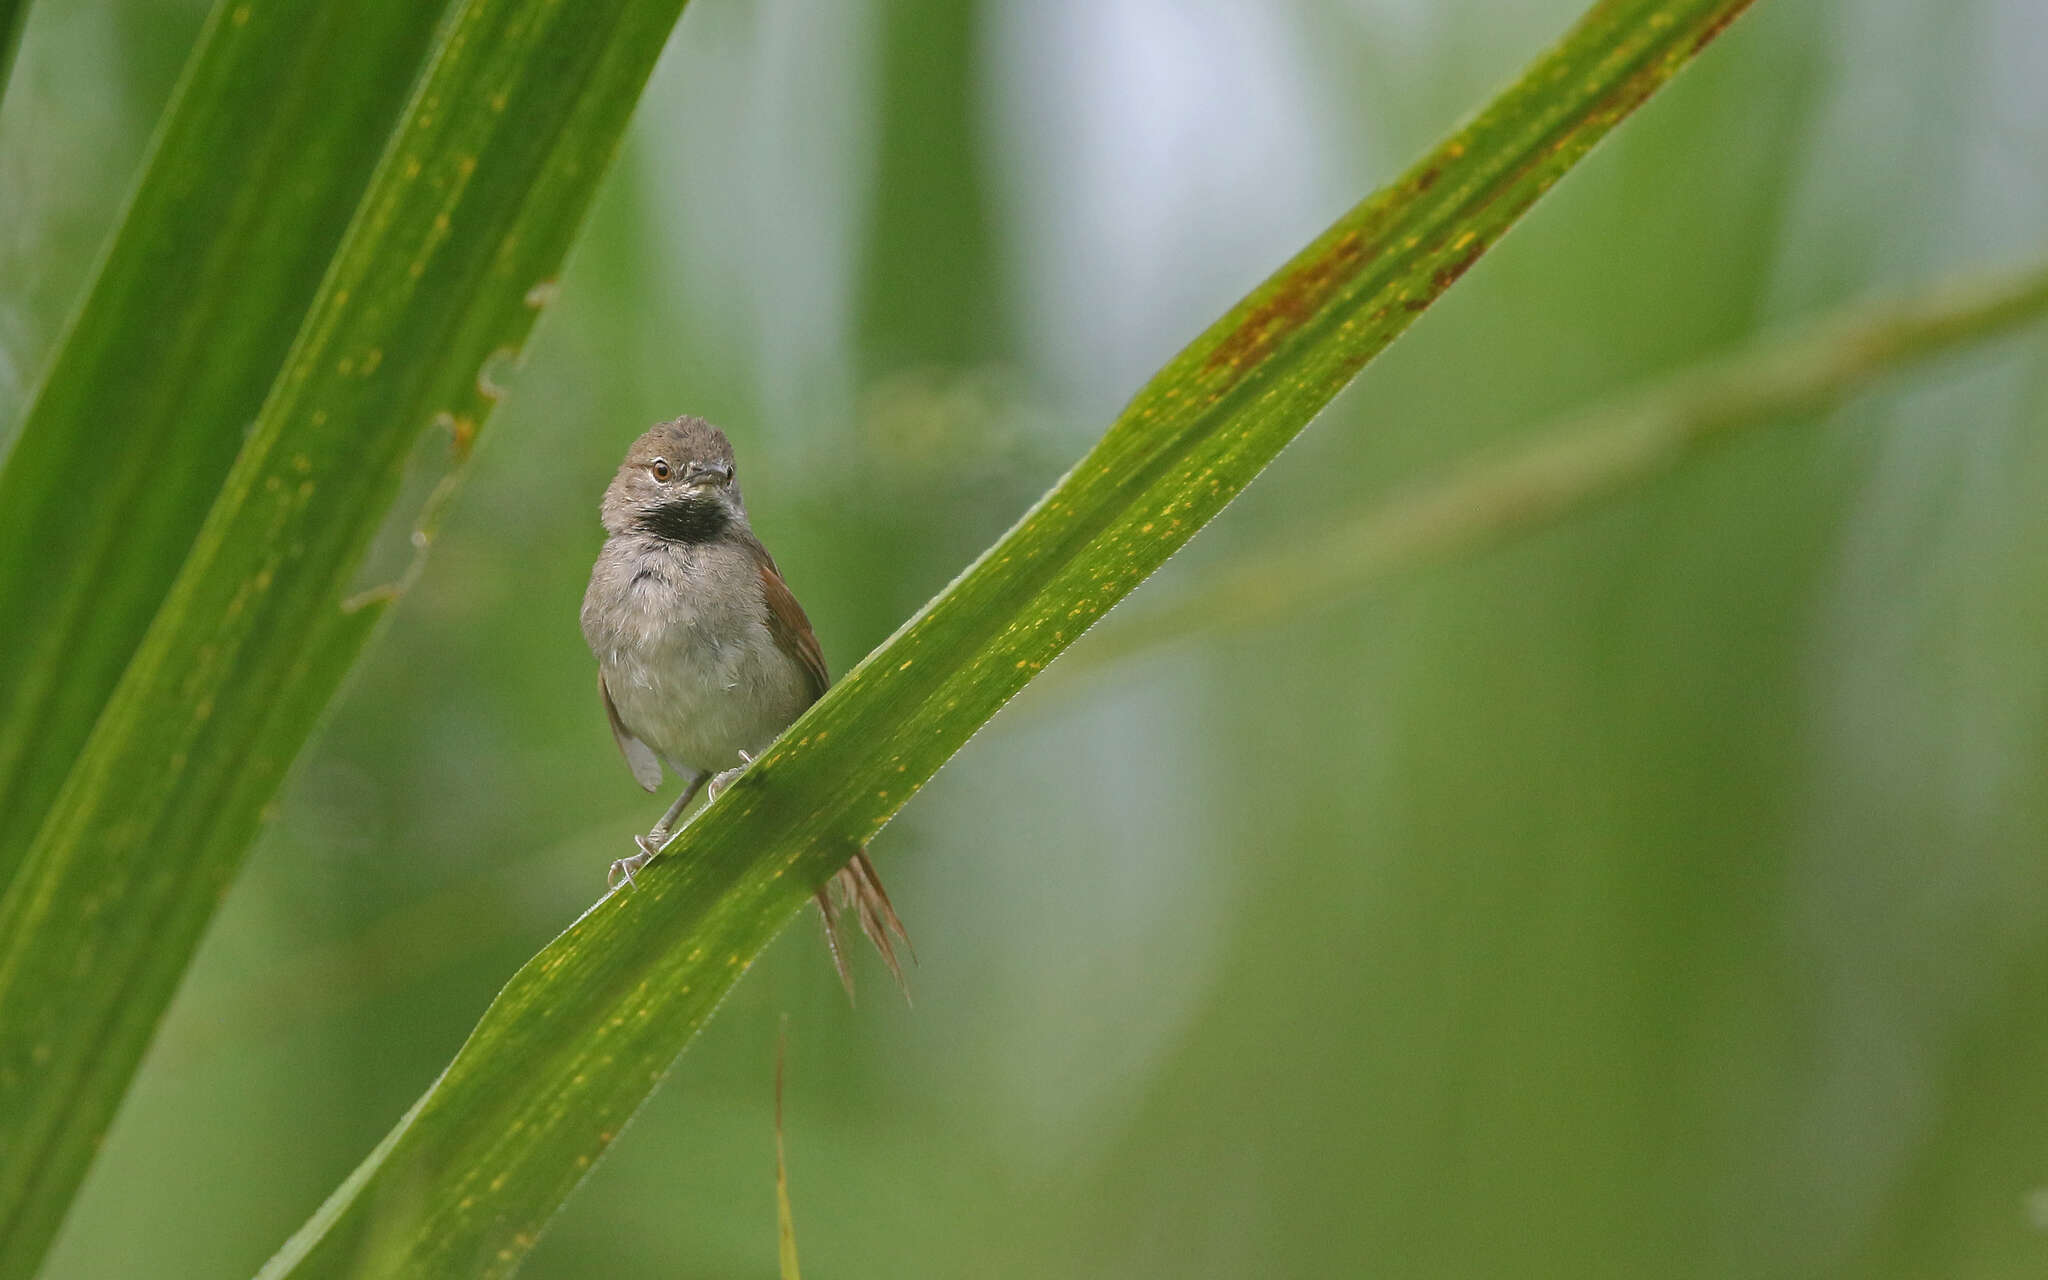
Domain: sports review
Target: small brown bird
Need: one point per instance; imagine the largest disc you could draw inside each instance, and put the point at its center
(703, 655)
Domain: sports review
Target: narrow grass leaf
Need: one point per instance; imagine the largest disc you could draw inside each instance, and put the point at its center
(1577, 464)
(13, 17)
(260, 160)
(472, 205)
(580, 1036)
(785, 1217)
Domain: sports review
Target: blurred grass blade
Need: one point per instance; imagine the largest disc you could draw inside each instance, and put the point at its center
(13, 17)
(1580, 462)
(262, 157)
(472, 205)
(785, 1218)
(1569, 468)
(580, 1036)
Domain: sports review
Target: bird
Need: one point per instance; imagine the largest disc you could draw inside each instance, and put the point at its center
(704, 656)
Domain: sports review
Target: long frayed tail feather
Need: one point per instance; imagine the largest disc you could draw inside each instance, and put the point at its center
(857, 886)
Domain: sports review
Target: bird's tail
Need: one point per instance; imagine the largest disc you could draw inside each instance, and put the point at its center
(856, 886)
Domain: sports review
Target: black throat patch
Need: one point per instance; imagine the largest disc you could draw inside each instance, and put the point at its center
(687, 520)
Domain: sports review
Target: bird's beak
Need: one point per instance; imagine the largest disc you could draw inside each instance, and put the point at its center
(714, 472)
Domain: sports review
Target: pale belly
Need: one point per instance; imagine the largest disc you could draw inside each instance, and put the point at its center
(698, 683)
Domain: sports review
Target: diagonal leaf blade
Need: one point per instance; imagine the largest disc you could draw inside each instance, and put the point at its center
(473, 202)
(262, 157)
(1572, 466)
(581, 1035)
(13, 17)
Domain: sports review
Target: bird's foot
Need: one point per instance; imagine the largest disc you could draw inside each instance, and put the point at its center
(650, 845)
(623, 869)
(724, 780)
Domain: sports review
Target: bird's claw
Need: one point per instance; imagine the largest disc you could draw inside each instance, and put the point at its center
(723, 780)
(624, 868)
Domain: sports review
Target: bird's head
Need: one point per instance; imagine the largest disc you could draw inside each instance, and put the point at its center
(678, 484)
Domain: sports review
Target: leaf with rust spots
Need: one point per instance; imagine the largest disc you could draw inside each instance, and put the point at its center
(1446, 276)
(1305, 290)
(551, 1052)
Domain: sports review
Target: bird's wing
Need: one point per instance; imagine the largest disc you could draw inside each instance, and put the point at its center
(788, 625)
(640, 757)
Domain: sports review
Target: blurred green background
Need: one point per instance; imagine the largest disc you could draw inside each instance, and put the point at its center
(1661, 895)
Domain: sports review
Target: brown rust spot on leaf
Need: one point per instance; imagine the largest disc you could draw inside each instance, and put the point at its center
(1447, 275)
(1720, 24)
(462, 435)
(1303, 292)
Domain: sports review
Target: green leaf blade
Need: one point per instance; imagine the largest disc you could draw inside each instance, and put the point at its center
(581, 1034)
(13, 17)
(1575, 465)
(473, 202)
(270, 137)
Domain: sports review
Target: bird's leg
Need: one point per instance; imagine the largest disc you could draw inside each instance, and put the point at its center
(650, 844)
(724, 780)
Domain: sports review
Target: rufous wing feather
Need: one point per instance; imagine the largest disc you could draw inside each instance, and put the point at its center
(788, 625)
(856, 883)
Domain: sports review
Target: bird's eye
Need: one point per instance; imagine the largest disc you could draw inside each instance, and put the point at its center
(661, 470)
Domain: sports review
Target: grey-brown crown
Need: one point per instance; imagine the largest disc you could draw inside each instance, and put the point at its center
(681, 440)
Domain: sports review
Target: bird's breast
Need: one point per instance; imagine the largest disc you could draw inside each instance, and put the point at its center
(682, 637)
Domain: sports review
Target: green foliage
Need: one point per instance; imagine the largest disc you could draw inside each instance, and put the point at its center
(262, 159)
(13, 13)
(785, 1218)
(580, 1036)
(1658, 894)
(475, 196)
(1576, 464)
